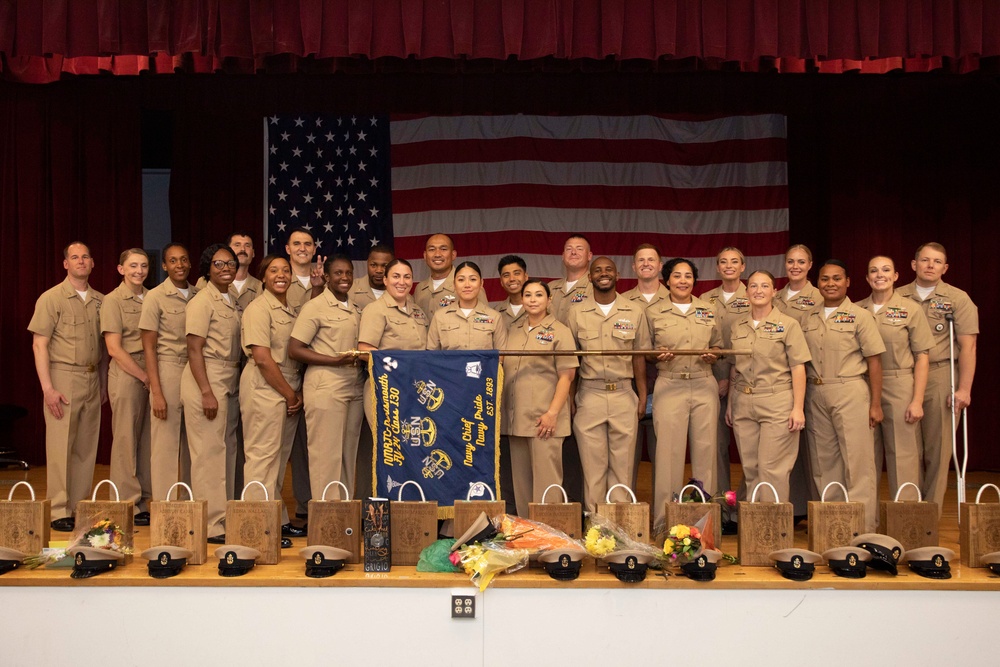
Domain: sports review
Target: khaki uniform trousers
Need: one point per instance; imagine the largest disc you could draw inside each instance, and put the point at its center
(767, 448)
(897, 442)
(334, 411)
(605, 425)
(207, 438)
(170, 461)
(936, 432)
(71, 442)
(535, 464)
(841, 446)
(268, 431)
(130, 446)
(685, 412)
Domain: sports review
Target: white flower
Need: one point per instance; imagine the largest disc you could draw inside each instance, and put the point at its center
(100, 540)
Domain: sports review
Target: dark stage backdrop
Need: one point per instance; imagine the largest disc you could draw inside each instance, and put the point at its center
(877, 164)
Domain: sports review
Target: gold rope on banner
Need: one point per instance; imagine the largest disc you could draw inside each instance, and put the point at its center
(598, 353)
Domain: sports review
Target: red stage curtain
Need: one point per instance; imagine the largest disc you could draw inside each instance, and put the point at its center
(865, 35)
(69, 169)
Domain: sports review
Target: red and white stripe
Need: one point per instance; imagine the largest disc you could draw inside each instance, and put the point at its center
(521, 184)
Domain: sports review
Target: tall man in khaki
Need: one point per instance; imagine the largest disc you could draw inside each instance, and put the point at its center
(71, 364)
(939, 300)
(607, 408)
(574, 287)
(513, 271)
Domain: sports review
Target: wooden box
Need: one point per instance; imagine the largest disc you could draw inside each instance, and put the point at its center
(119, 512)
(467, 511)
(336, 523)
(413, 528)
(691, 513)
(633, 517)
(24, 524)
(377, 526)
(255, 524)
(180, 523)
(564, 516)
(979, 529)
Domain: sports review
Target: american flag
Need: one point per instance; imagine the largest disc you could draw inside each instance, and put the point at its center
(521, 184)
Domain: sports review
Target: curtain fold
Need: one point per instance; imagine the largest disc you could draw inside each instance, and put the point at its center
(738, 31)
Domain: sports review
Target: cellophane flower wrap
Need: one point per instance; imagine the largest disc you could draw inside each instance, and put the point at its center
(685, 543)
(483, 561)
(102, 535)
(602, 537)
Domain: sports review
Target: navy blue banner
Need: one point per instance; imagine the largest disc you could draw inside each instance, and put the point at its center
(437, 421)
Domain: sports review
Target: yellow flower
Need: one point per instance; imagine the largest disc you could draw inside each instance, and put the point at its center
(682, 531)
(668, 546)
(687, 541)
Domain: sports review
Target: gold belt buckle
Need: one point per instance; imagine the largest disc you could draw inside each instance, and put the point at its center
(611, 386)
(91, 368)
(817, 380)
(747, 390)
(685, 376)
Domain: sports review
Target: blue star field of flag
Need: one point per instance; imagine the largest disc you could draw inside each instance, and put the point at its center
(329, 175)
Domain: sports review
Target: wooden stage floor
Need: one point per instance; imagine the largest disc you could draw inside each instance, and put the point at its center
(290, 571)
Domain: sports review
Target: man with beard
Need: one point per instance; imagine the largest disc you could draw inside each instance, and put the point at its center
(371, 287)
(607, 408)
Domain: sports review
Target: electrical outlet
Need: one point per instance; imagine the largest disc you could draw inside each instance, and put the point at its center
(463, 606)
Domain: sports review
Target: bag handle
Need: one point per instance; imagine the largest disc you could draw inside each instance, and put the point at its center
(479, 485)
(555, 486)
(244, 494)
(920, 497)
(402, 486)
(753, 498)
(174, 486)
(692, 486)
(607, 498)
(113, 486)
(843, 488)
(978, 495)
(347, 494)
(32, 490)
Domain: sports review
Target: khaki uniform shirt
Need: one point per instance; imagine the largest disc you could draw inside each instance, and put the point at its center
(218, 322)
(562, 301)
(73, 326)
(623, 328)
(430, 299)
(252, 289)
(529, 383)
(636, 297)
(506, 311)
(777, 345)
(483, 329)
(329, 327)
(120, 314)
(386, 327)
(297, 295)
(267, 323)
(904, 330)
(799, 305)
(164, 310)
(728, 313)
(361, 292)
(839, 344)
(698, 329)
(944, 299)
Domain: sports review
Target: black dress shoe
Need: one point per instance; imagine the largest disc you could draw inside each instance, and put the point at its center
(288, 530)
(218, 539)
(730, 528)
(64, 525)
(141, 519)
(286, 543)
(300, 515)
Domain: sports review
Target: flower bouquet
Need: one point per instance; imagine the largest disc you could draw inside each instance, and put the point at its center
(102, 535)
(484, 551)
(685, 543)
(604, 537)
